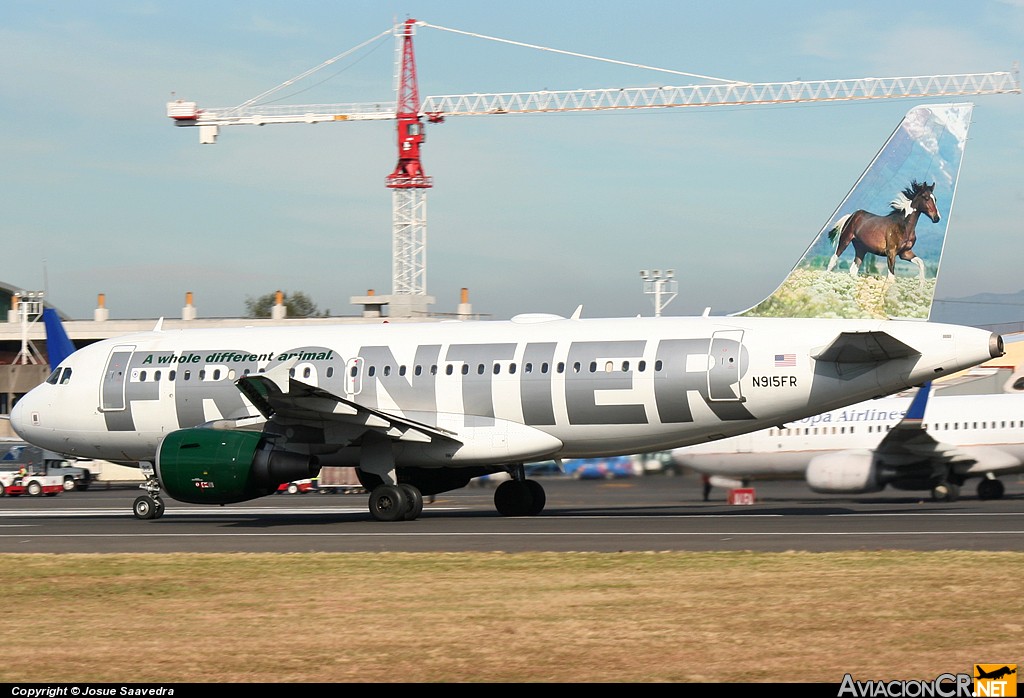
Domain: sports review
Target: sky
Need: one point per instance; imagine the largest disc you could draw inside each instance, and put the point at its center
(530, 213)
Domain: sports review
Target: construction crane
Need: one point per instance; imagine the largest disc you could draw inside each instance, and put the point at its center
(409, 182)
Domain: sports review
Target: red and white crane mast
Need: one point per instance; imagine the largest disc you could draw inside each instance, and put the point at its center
(409, 184)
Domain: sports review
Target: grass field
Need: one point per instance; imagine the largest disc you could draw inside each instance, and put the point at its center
(545, 617)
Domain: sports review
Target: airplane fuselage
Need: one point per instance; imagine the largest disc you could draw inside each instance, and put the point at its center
(595, 387)
(987, 429)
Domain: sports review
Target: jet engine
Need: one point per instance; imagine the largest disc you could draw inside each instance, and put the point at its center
(218, 466)
(859, 472)
(845, 472)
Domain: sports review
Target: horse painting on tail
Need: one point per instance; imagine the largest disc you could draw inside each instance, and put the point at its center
(890, 236)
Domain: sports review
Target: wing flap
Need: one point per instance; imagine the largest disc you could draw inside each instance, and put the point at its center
(303, 403)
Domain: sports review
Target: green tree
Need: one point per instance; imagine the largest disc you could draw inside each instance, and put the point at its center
(298, 305)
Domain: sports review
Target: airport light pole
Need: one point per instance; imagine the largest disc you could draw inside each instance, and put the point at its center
(661, 285)
(27, 309)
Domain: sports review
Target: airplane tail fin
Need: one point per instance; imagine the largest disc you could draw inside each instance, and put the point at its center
(927, 146)
(915, 413)
(58, 346)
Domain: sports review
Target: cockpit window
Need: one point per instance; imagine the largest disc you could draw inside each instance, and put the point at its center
(60, 375)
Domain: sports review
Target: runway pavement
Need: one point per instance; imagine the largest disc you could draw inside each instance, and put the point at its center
(641, 513)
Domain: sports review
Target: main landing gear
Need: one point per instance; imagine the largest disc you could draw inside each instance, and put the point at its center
(988, 488)
(991, 488)
(401, 502)
(519, 496)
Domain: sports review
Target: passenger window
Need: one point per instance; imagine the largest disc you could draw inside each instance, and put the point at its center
(188, 375)
(448, 370)
(387, 370)
(372, 371)
(305, 372)
(156, 376)
(330, 371)
(544, 367)
(401, 370)
(480, 369)
(465, 369)
(512, 368)
(625, 366)
(497, 368)
(433, 369)
(657, 365)
(142, 376)
(418, 370)
(561, 367)
(171, 375)
(216, 374)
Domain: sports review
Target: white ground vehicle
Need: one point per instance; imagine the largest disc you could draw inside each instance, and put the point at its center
(12, 484)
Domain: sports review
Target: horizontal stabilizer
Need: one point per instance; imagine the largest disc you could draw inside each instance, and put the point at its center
(865, 348)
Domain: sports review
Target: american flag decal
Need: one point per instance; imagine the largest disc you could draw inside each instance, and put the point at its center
(785, 359)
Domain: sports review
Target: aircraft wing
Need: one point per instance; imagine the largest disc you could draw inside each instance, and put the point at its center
(305, 404)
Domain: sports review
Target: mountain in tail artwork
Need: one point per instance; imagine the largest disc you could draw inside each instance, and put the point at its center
(878, 255)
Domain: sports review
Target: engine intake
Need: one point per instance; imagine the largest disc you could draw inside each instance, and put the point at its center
(216, 466)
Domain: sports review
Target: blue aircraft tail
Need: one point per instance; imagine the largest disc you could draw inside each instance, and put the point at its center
(878, 255)
(916, 410)
(58, 346)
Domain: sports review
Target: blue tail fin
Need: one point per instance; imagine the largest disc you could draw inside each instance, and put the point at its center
(58, 346)
(916, 410)
(838, 276)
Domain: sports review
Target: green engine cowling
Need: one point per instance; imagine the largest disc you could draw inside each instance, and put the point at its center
(217, 466)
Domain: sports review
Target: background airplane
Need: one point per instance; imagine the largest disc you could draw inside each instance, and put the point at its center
(929, 442)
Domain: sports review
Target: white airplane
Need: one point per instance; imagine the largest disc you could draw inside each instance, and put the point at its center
(893, 441)
(219, 416)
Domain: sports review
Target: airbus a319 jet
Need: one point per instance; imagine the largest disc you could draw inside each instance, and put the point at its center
(219, 416)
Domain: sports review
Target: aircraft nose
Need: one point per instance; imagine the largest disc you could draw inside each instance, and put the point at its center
(25, 418)
(20, 419)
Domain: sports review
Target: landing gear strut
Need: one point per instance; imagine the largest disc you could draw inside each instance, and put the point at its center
(149, 505)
